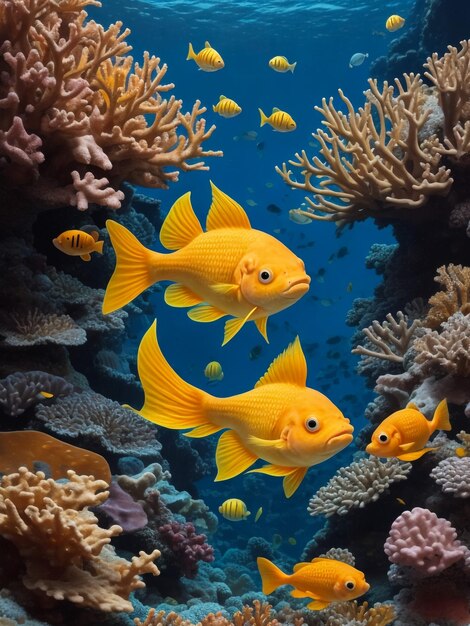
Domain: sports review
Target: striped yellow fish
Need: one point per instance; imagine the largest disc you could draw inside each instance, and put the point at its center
(79, 243)
(281, 64)
(208, 59)
(234, 510)
(226, 107)
(279, 120)
(394, 22)
(213, 371)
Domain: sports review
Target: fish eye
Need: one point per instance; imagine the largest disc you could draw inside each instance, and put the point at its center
(265, 276)
(350, 584)
(383, 437)
(312, 424)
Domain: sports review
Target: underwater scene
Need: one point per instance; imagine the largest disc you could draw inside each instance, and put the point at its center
(235, 313)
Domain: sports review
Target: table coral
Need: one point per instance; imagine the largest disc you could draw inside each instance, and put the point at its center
(65, 553)
(79, 116)
(423, 541)
(356, 485)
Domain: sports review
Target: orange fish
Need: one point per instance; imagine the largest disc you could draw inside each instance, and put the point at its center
(208, 59)
(322, 580)
(231, 269)
(405, 433)
(280, 421)
(79, 243)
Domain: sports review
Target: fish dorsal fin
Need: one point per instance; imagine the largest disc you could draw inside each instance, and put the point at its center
(207, 45)
(222, 98)
(289, 367)
(412, 405)
(300, 566)
(285, 59)
(318, 559)
(181, 225)
(225, 212)
(275, 109)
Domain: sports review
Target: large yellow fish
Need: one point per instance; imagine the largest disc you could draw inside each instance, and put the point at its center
(280, 421)
(405, 433)
(322, 580)
(279, 120)
(394, 22)
(231, 269)
(208, 59)
(226, 107)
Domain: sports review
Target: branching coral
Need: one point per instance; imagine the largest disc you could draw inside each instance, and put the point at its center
(79, 116)
(356, 485)
(455, 295)
(187, 547)
(375, 156)
(257, 615)
(65, 553)
(453, 476)
(354, 613)
(390, 339)
(34, 328)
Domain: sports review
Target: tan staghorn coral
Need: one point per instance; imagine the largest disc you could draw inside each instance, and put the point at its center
(375, 155)
(257, 615)
(65, 553)
(455, 295)
(361, 614)
(389, 340)
(79, 116)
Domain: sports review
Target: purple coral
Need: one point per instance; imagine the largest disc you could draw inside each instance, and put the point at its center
(423, 541)
(123, 510)
(187, 546)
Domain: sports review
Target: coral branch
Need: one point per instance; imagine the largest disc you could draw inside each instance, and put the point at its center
(391, 338)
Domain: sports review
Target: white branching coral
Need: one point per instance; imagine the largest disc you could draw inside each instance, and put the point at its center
(356, 485)
(453, 476)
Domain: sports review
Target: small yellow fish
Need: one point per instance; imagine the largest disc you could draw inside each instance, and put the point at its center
(213, 371)
(208, 59)
(461, 452)
(279, 120)
(258, 513)
(292, 541)
(281, 64)
(79, 243)
(280, 421)
(405, 433)
(322, 580)
(46, 394)
(251, 202)
(394, 22)
(226, 107)
(231, 269)
(234, 510)
(401, 501)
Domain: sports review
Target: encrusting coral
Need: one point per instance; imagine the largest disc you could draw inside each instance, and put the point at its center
(65, 553)
(76, 109)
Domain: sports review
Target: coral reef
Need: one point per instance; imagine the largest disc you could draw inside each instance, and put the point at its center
(22, 390)
(454, 296)
(453, 476)
(79, 116)
(186, 546)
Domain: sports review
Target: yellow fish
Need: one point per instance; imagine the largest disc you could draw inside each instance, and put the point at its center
(213, 371)
(226, 107)
(231, 269)
(460, 452)
(79, 243)
(208, 59)
(46, 394)
(400, 501)
(281, 64)
(259, 512)
(280, 421)
(279, 120)
(394, 22)
(234, 510)
(405, 433)
(322, 580)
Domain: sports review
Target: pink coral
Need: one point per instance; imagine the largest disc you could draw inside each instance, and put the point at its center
(187, 546)
(423, 541)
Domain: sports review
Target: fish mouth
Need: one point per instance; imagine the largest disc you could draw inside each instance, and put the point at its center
(344, 438)
(297, 288)
(56, 242)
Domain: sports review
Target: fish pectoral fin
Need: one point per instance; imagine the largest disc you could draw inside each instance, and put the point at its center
(231, 456)
(181, 296)
(261, 325)
(205, 313)
(292, 481)
(266, 443)
(412, 456)
(404, 447)
(85, 257)
(298, 566)
(225, 212)
(273, 470)
(233, 326)
(225, 289)
(289, 367)
(318, 605)
(203, 431)
(181, 225)
(296, 593)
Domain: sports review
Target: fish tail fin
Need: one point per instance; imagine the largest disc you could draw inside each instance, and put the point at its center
(271, 576)
(292, 67)
(99, 247)
(214, 108)
(264, 119)
(134, 271)
(169, 400)
(191, 53)
(440, 420)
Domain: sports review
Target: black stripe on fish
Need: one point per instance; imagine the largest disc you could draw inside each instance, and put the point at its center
(78, 240)
(73, 241)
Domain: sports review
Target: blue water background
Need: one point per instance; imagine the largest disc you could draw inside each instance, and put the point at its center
(321, 37)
